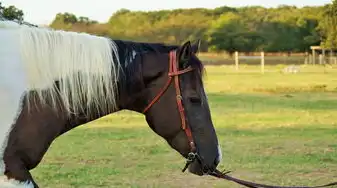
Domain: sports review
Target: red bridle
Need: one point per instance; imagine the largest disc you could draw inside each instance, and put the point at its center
(174, 73)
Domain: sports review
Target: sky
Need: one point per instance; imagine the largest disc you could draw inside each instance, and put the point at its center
(44, 11)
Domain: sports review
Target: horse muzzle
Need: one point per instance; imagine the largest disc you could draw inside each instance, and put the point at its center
(197, 166)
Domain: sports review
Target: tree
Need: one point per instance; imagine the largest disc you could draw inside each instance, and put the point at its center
(69, 21)
(246, 29)
(328, 25)
(11, 13)
(229, 33)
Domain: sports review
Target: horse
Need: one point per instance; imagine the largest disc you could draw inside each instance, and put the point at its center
(52, 81)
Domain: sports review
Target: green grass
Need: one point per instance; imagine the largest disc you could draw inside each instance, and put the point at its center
(274, 128)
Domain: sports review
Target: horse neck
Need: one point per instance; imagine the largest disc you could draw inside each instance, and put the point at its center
(129, 80)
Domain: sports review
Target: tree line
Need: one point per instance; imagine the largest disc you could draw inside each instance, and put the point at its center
(246, 29)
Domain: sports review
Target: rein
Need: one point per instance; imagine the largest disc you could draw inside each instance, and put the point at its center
(174, 73)
(223, 175)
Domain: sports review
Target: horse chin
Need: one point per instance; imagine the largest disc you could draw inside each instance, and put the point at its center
(196, 168)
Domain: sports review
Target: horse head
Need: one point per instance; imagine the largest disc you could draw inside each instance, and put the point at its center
(170, 93)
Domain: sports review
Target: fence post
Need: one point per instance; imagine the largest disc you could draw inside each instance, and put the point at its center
(310, 58)
(313, 57)
(323, 56)
(262, 62)
(237, 60)
(320, 59)
(306, 58)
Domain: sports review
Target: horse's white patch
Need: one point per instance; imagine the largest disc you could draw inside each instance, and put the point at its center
(219, 154)
(11, 183)
(134, 53)
(12, 87)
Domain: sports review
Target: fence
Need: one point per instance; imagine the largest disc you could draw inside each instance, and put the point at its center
(290, 61)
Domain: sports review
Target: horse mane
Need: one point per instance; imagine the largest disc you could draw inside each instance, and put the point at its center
(77, 68)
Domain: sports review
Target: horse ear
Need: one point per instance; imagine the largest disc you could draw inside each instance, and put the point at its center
(184, 54)
(196, 46)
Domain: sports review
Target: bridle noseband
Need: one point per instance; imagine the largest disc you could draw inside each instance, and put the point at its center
(175, 73)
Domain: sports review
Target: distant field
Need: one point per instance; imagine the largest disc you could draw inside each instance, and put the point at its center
(274, 128)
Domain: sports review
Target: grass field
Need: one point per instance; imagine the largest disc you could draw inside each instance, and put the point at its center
(273, 128)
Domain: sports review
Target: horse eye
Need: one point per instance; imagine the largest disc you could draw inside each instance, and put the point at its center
(195, 100)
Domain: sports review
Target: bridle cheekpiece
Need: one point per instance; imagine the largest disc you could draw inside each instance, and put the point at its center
(173, 74)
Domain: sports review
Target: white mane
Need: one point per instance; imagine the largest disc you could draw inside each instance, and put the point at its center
(83, 63)
(9, 24)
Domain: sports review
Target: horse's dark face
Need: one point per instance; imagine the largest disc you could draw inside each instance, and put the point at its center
(164, 117)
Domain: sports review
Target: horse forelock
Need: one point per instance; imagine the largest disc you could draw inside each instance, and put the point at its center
(85, 66)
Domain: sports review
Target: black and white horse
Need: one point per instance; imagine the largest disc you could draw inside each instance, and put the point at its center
(52, 81)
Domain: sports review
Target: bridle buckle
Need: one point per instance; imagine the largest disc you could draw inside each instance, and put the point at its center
(191, 157)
